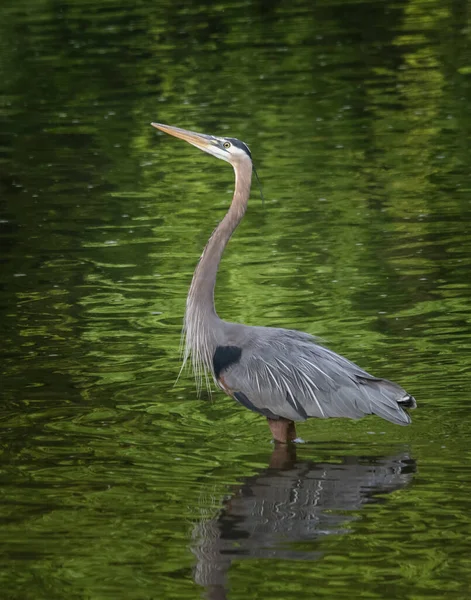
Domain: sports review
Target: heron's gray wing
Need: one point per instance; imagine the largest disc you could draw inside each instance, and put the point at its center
(284, 373)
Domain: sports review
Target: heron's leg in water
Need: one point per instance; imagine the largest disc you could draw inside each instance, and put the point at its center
(282, 430)
(283, 456)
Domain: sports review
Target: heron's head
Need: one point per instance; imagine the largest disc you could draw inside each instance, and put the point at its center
(229, 149)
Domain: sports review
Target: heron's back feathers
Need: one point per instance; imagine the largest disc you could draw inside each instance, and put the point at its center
(285, 373)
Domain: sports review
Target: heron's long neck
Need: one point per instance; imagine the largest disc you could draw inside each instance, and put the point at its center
(200, 302)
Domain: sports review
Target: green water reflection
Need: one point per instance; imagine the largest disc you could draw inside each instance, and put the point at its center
(116, 483)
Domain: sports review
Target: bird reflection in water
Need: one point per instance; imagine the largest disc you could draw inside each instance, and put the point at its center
(290, 501)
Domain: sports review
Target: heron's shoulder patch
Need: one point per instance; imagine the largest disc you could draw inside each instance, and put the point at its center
(224, 357)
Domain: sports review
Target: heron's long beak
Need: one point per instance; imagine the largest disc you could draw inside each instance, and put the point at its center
(200, 140)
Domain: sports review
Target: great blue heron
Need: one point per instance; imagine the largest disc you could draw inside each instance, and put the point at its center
(282, 374)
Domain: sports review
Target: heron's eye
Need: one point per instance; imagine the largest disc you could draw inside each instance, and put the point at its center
(227, 144)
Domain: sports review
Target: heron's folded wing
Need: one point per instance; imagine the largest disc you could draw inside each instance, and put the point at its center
(295, 378)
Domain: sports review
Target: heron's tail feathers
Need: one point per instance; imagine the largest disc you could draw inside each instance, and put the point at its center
(388, 400)
(407, 401)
